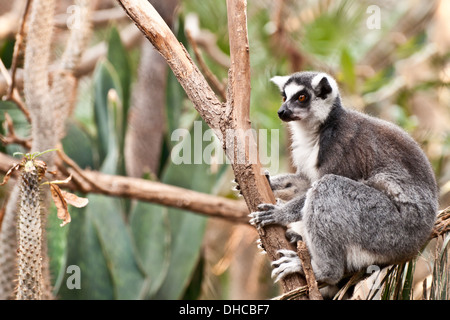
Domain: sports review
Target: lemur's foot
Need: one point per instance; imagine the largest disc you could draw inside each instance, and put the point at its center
(288, 263)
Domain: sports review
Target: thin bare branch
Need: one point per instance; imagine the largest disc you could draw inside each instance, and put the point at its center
(18, 47)
(12, 137)
(65, 158)
(2, 212)
(206, 40)
(217, 86)
(15, 96)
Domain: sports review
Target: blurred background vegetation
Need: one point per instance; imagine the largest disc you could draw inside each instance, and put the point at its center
(129, 249)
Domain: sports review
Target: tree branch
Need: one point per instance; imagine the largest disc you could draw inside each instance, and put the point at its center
(305, 257)
(250, 177)
(11, 136)
(164, 194)
(206, 40)
(18, 46)
(15, 96)
(145, 190)
(219, 117)
(218, 86)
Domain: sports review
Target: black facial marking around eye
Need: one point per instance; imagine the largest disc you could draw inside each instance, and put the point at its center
(302, 93)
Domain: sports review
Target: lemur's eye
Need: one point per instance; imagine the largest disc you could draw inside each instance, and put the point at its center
(302, 98)
(284, 99)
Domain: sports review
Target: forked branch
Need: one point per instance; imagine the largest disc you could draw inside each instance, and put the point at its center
(233, 115)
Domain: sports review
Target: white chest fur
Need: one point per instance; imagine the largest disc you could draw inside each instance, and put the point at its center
(305, 150)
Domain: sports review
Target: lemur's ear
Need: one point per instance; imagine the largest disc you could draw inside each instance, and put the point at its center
(323, 88)
(280, 81)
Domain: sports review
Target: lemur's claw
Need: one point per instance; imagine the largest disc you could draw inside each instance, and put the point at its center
(236, 188)
(260, 246)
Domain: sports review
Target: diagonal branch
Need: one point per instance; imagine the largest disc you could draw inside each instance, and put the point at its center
(234, 115)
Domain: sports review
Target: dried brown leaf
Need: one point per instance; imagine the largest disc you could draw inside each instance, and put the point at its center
(9, 173)
(61, 204)
(74, 200)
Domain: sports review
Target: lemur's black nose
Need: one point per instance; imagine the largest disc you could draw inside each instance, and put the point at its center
(284, 114)
(281, 112)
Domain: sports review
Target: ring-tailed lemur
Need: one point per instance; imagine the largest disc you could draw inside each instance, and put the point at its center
(364, 192)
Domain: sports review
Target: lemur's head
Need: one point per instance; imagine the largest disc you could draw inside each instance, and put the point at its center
(307, 96)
